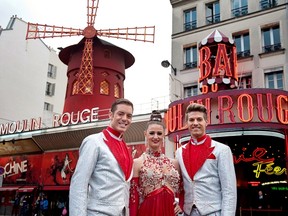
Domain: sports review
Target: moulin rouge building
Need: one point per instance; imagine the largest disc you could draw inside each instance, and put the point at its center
(253, 122)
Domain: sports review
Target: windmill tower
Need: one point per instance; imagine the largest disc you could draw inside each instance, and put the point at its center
(96, 68)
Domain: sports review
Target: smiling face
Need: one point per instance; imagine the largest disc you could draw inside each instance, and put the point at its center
(121, 118)
(196, 123)
(154, 136)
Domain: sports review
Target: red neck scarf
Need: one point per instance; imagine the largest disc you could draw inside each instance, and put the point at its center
(119, 150)
(195, 155)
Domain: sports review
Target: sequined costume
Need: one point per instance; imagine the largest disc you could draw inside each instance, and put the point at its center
(153, 192)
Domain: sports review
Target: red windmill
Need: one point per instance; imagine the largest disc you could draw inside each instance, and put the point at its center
(93, 63)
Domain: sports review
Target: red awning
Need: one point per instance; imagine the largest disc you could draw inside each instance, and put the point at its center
(9, 188)
(56, 188)
(26, 189)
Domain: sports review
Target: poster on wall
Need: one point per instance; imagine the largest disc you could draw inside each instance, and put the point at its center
(23, 169)
(53, 168)
(58, 167)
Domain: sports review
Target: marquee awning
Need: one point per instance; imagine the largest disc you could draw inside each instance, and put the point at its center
(9, 188)
(69, 137)
(24, 189)
(56, 188)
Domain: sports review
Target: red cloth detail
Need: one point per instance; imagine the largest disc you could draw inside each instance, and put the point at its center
(211, 156)
(157, 203)
(134, 196)
(114, 132)
(198, 139)
(194, 156)
(120, 151)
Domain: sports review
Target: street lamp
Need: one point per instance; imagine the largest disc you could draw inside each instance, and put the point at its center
(166, 64)
(176, 91)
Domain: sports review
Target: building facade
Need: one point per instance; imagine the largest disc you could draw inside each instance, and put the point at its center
(251, 115)
(39, 138)
(259, 29)
(30, 71)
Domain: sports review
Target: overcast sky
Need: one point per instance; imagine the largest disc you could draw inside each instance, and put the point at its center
(146, 81)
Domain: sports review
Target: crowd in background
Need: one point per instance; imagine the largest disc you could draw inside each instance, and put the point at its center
(27, 205)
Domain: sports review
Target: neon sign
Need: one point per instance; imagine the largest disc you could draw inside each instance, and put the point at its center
(218, 67)
(257, 155)
(238, 107)
(268, 169)
(262, 165)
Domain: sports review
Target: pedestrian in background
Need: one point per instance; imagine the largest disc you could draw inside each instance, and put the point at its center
(44, 204)
(16, 205)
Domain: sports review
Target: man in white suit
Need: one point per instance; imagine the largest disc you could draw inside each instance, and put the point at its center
(207, 170)
(100, 184)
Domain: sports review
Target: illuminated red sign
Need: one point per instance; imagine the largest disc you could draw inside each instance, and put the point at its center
(217, 63)
(235, 106)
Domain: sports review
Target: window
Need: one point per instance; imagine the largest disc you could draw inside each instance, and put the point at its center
(50, 88)
(190, 17)
(48, 106)
(274, 80)
(51, 71)
(116, 91)
(265, 4)
(245, 82)
(107, 54)
(271, 39)
(190, 57)
(242, 43)
(239, 7)
(11, 23)
(104, 88)
(213, 12)
(190, 91)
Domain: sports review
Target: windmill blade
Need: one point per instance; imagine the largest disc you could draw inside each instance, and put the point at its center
(35, 30)
(92, 6)
(145, 34)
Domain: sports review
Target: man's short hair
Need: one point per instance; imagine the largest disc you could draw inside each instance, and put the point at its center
(121, 101)
(196, 107)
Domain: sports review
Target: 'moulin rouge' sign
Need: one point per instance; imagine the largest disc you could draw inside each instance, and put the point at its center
(234, 106)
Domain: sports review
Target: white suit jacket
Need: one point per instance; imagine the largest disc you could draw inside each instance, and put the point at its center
(98, 186)
(214, 186)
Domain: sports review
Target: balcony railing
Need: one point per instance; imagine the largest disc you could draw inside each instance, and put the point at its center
(190, 25)
(243, 54)
(213, 19)
(190, 65)
(271, 48)
(241, 11)
(265, 4)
